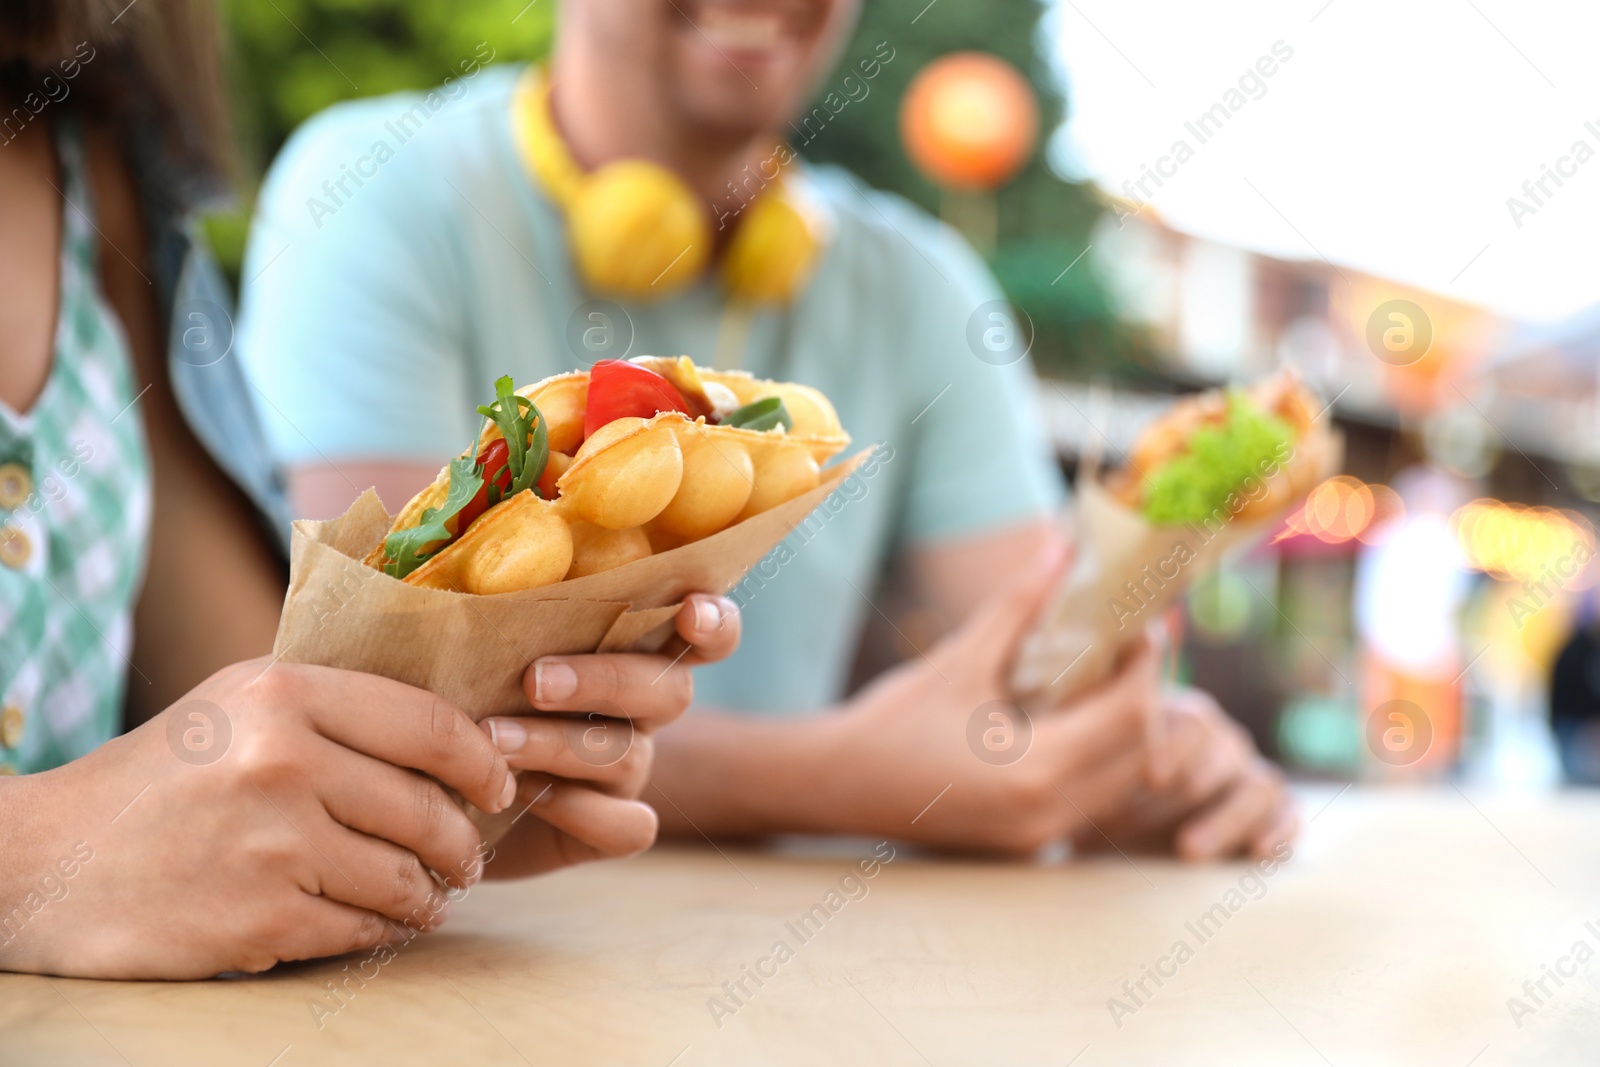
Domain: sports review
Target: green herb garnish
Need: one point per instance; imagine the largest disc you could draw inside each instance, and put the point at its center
(519, 421)
(527, 452)
(1221, 460)
(763, 414)
(407, 549)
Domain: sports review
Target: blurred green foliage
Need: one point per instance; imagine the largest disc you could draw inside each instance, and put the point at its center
(292, 58)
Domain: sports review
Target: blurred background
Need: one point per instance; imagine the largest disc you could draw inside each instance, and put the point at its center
(1402, 205)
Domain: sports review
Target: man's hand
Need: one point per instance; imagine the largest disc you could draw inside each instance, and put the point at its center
(941, 726)
(1211, 795)
(934, 752)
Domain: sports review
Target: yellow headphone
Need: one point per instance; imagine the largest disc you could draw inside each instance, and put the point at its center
(637, 231)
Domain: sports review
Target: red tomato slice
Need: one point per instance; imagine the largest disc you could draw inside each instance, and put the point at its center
(493, 460)
(619, 389)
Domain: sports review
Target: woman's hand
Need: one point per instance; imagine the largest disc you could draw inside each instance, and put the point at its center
(276, 812)
(283, 812)
(582, 771)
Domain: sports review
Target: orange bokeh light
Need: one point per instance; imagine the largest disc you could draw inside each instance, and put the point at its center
(1344, 508)
(969, 121)
(1338, 509)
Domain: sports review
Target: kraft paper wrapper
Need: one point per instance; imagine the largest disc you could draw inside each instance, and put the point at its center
(1082, 632)
(473, 650)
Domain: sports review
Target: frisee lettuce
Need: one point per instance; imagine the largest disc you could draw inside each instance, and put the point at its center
(1193, 486)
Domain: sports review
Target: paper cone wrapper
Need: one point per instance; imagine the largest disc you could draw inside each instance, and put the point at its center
(1126, 574)
(473, 650)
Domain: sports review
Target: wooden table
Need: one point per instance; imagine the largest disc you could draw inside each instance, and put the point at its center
(1395, 936)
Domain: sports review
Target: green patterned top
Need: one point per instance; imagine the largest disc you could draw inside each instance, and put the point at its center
(74, 516)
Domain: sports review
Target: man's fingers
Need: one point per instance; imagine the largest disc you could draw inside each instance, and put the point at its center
(1105, 795)
(1281, 831)
(991, 634)
(1235, 821)
(1181, 717)
(592, 748)
(396, 723)
(1106, 722)
(1227, 756)
(1182, 749)
(409, 809)
(650, 690)
(1161, 763)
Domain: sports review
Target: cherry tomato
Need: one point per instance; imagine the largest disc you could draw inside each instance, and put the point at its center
(619, 389)
(493, 460)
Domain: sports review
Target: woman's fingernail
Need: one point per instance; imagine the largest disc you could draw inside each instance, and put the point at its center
(508, 735)
(706, 615)
(509, 793)
(553, 680)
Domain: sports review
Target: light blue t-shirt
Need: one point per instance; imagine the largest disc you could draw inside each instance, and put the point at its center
(401, 260)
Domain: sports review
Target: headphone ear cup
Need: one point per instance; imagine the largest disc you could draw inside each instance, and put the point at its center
(772, 252)
(637, 231)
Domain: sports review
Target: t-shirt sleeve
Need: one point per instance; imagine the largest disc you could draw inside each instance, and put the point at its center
(980, 457)
(351, 326)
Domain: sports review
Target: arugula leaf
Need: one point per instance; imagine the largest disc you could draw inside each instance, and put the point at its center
(764, 414)
(518, 420)
(527, 452)
(406, 549)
